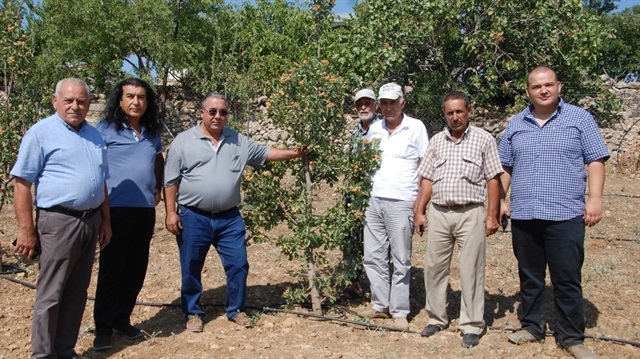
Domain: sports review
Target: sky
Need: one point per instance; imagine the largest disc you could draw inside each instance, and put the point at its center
(341, 7)
(346, 6)
(623, 4)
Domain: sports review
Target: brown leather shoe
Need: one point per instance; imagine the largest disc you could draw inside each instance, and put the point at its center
(522, 336)
(581, 352)
(374, 314)
(401, 323)
(242, 319)
(194, 324)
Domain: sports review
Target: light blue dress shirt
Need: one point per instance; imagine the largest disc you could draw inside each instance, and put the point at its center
(131, 166)
(68, 167)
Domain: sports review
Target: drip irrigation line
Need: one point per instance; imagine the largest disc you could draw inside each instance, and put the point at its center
(362, 323)
(10, 269)
(617, 239)
(11, 279)
(621, 195)
(340, 320)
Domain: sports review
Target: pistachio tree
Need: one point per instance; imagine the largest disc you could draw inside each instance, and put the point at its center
(309, 105)
(482, 47)
(19, 96)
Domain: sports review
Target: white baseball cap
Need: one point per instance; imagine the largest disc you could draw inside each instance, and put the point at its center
(368, 93)
(391, 91)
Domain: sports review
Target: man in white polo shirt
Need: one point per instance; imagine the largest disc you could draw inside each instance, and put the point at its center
(403, 142)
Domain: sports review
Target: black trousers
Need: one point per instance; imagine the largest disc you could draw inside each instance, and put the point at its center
(559, 245)
(123, 267)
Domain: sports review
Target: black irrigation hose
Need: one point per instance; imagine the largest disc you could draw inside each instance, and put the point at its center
(637, 240)
(621, 195)
(11, 279)
(340, 320)
(10, 269)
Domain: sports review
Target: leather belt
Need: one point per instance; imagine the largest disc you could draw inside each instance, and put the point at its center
(456, 207)
(71, 212)
(210, 213)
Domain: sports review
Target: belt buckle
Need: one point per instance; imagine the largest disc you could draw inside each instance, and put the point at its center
(84, 214)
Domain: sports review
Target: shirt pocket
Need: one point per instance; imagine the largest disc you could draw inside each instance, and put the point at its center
(439, 169)
(236, 163)
(472, 168)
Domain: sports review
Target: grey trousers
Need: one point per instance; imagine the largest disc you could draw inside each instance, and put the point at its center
(68, 249)
(387, 235)
(464, 228)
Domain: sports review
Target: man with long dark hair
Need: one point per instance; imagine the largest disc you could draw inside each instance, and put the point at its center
(131, 131)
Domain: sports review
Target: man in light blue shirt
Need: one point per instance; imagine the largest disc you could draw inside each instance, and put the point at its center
(131, 131)
(65, 158)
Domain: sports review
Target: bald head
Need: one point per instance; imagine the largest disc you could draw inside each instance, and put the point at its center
(540, 69)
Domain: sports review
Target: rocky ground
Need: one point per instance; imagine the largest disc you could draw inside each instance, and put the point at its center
(611, 290)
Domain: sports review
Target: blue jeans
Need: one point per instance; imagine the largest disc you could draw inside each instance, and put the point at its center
(560, 245)
(227, 235)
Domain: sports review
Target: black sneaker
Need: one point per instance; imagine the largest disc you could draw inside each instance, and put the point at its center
(470, 340)
(102, 342)
(129, 331)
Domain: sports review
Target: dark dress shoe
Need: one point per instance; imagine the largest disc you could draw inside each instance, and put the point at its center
(470, 340)
(430, 330)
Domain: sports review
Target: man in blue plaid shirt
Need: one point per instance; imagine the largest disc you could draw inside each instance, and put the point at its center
(544, 152)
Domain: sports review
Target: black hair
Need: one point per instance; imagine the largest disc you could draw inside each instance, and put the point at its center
(113, 113)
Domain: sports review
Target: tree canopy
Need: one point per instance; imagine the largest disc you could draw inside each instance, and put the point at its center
(482, 47)
(308, 70)
(621, 55)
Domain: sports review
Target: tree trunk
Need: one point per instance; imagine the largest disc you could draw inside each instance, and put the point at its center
(313, 289)
(311, 266)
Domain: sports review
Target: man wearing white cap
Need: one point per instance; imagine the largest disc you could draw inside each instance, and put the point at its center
(366, 106)
(388, 228)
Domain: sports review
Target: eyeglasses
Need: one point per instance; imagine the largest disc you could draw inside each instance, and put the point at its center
(215, 111)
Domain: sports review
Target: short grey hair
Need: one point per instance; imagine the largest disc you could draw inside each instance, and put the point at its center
(215, 95)
(72, 80)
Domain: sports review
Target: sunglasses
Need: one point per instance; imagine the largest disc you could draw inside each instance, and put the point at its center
(214, 111)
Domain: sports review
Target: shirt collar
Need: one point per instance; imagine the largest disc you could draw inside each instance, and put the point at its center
(197, 131)
(84, 122)
(127, 126)
(529, 111)
(466, 133)
(362, 131)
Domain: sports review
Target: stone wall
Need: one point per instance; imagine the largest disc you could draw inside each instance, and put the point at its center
(622, 138)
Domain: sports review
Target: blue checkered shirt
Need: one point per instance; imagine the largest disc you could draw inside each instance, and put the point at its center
(548, 163)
